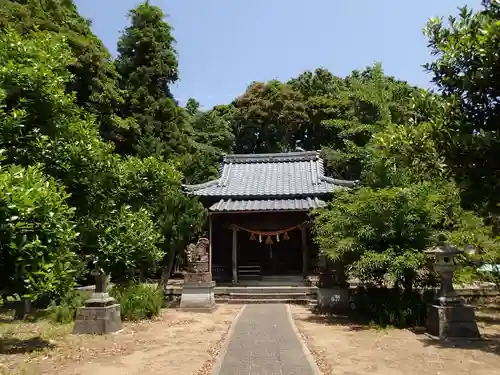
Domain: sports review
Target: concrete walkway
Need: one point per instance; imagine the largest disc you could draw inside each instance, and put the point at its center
(264, 341)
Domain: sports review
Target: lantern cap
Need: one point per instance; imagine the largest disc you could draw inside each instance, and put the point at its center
(445, 249)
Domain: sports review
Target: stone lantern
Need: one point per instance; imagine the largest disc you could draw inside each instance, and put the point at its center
(101, 313)
(448, 316)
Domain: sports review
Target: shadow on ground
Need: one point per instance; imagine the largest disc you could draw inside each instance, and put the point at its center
(489, 343)
(349, 320)
(16, 346)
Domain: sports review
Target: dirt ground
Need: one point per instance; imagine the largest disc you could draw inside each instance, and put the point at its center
(180, 343)
(344, 348)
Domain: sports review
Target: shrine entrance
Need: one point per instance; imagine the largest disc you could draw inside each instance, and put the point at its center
(256, 245)
(274, 254)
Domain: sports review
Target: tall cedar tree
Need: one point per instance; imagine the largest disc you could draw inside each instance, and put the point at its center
(147, 63)
(94, 75)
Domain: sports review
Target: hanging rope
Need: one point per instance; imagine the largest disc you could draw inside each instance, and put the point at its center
(269, 233)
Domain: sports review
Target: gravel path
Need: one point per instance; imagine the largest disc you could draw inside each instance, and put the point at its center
(264, 342)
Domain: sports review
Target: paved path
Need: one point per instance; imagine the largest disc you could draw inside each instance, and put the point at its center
(264, 342)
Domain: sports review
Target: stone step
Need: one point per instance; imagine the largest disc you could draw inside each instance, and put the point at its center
(268, 295)
(266, 289)
(303, 301)
(270, 283)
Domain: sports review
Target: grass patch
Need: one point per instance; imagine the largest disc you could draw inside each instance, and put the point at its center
(138, 301)
(65, 311)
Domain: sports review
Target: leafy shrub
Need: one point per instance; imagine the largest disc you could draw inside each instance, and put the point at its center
(391, 306)
(381, 234)
(467, 276)
(37, 234)
(138, 301)
(127, 240)
(65, 310)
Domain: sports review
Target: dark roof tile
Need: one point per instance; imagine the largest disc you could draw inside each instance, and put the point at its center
(304, 204)
(270, 175)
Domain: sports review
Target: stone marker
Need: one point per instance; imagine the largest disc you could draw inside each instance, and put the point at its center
(101, 313)
(448, 316)
(198, 289)
(333, 290)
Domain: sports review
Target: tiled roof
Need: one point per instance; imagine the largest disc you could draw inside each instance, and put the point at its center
(300, 204)
(270, 175)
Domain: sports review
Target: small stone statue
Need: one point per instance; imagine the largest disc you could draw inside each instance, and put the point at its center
(198, 289)
(198, 256)
(190, 253)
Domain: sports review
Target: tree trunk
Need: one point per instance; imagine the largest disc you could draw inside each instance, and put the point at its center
(23, 308)
(407, 282)
(167, 270)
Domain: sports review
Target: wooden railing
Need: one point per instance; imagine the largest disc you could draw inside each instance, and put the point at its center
(249, 272)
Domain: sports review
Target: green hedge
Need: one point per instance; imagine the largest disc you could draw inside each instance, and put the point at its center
(391, 306)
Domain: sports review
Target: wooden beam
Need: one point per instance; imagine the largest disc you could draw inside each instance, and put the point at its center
(305, 252)
(210, 239)
(235, 255)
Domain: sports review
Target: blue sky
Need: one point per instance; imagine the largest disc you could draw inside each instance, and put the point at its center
(224, 45)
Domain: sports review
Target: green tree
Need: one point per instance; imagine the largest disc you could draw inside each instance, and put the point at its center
(155, 185)
(382, 233)
(93, 74)
(212, 138)
(467, 72)
(37, 235)
(268, 117)
(345, 113)
(147, 63)
(41, 123)
(401, 155)
(126, 241)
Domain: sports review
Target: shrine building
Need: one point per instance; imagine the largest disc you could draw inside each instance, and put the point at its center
(259, 207)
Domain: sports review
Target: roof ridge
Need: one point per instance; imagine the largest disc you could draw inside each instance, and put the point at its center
(203, 185)
(272, 157)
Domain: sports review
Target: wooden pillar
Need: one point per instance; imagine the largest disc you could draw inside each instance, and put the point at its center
(210, 239)
(235, 255)
(305, 252)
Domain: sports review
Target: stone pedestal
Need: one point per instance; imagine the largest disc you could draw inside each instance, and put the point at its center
(101, 313)
(198, 289)
(198, 296)
(452, 322)
(98, 320)
(332, 292)
(334, 298)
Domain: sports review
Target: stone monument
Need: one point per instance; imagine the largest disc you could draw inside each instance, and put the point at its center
(101, 313)
(198, 289)
(448, 316)
(333, 289)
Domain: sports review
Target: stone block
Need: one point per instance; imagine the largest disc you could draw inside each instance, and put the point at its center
(98, 319)
(196, 277)
(452, 322)
(198, 296)
(333, 298)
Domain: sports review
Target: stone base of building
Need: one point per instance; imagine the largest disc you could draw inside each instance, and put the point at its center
(448, 322)
(98, 319)
(198, 296)
(334, 298)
